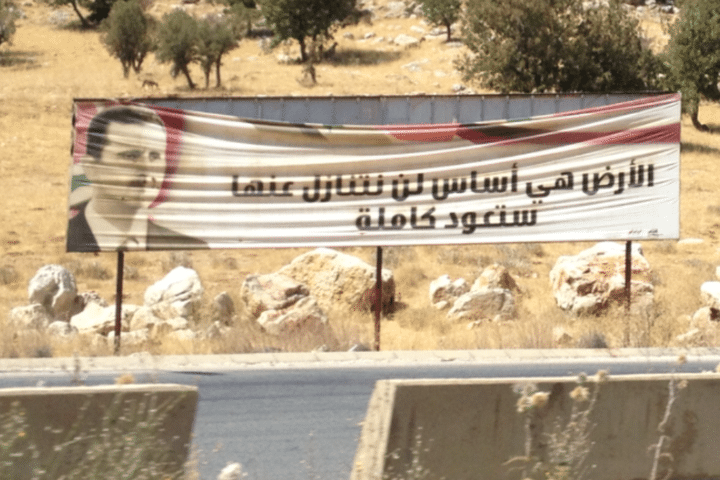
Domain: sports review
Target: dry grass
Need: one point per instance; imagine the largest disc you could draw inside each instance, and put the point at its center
(48, 66)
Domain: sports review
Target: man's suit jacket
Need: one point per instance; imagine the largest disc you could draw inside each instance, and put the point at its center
(80, 237)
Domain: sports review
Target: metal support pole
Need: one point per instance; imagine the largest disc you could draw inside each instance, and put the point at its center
(118, 299)
(628, 274)
(378, 297)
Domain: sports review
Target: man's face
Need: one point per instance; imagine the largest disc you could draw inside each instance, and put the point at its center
(132, 164)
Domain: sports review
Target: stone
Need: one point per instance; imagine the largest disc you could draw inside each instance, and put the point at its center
(143, 319)
(223, 308)
(54, 287)
(561, 337)
(405, 40)
(216, 330)
(588, 283)
(689, 338)
(184, 335)
(180, 289)
(710, 294)
(396, 9)
(130, 339)
(444, 291)
(232, 471)
(60, 329)
(101, 320)
(274, 291)
(704, 315)
(340, 281)
(495, 276)
(305, 315)
(35, 317)
(86, 298)
(494, 304)
(359, 347)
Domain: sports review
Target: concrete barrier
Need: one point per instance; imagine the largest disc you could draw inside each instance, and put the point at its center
(470, 429)
(49, 432)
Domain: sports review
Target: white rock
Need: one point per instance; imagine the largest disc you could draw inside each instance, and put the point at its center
(181, 288)
(405, 40)
(232, 471)
(101, 320)
(33, 316)
(491, 303)
(710, 294)
(444, 291)
(303, 316)
(339, 280)
(54, 287)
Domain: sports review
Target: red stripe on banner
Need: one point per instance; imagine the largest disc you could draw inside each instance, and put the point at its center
(422, 133)
(83, 115)
(662, 134)
(629, 105)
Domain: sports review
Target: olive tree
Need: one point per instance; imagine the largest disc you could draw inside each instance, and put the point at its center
(693, 55)
(177, 43)
(303, 19)
(442, 13)
(8, 15)
(555, 45)
(99, 10)
(216, 37)
(127, 35)
(244, 12)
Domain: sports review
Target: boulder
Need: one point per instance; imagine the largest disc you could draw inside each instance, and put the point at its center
(223, 308)
(339, 280)
(232, 471)
(144, 318)
(35, 317)
(101, 320)
(130, 339)
(444, 291)
(274, 291)
(305, 315)
(54, 287)
(180, 289)
(494, 304)
(216, 331)
(405, 40)
(588, 283)
(710, 294)
(495, 276)
(396, 9)
(60, 329)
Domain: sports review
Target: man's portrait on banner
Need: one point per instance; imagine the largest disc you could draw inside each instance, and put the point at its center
(125, 166)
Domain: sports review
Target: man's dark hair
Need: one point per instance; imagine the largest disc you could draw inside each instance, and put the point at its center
(97, 130)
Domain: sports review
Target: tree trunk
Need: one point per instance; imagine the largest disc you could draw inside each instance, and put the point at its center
(303, 50)
(448, 25)
(186, 72)
(84, 22)
(218, 84)
(696, 123)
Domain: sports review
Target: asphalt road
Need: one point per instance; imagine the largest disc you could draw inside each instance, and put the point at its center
(291, 417)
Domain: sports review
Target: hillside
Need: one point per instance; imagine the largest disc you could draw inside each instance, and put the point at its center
(50, 63)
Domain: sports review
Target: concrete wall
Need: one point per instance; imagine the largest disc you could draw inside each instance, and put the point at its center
(469, 429)
(34, 421)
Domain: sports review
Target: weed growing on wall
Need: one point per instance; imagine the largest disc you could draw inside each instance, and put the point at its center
(561, 453)
(415, 469)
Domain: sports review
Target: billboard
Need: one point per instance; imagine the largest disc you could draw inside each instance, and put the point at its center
(153, 177)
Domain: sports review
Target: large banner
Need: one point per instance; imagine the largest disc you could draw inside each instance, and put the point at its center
(153, 178)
